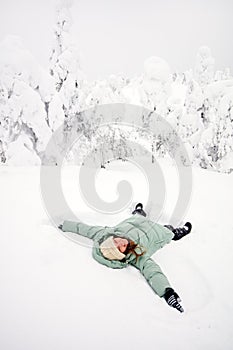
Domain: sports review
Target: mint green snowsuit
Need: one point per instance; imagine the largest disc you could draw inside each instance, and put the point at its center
(149, 235)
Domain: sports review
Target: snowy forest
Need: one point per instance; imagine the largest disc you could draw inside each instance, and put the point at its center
(34, 102)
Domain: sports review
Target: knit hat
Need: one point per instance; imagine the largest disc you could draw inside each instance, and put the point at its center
(110, 251)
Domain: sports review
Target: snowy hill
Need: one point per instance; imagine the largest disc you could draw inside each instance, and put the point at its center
(55, 296)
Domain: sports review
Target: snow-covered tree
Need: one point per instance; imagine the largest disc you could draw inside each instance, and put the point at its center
(21, 151)
(191, 121)
(65, 58)
(204, 69)
(28, 89)
(157, 79)
(152, 88)
(66, 71)
(224, 130)
(4, 120)
(174, 112)
(216, 142)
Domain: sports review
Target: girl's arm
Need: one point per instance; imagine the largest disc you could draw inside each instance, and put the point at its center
(81, 228)
(153, 274)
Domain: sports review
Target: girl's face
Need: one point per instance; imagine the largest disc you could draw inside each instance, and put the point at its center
(121, 243)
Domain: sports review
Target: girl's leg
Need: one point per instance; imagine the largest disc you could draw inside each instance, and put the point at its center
(180, 232)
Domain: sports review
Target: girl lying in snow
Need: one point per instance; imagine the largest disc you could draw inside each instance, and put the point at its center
(133, 241)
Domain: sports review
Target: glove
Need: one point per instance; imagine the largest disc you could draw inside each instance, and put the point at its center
(60, 226)
(173, 299)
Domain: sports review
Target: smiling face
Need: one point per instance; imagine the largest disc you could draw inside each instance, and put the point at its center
(121, 243)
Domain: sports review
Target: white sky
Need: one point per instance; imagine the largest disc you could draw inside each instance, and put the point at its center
(117, 36)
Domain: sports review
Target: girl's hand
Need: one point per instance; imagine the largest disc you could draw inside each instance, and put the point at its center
(173, 299)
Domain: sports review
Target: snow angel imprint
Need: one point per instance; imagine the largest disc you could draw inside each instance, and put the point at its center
(133, 242)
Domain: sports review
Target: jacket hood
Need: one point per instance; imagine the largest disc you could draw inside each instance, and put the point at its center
(115, 264)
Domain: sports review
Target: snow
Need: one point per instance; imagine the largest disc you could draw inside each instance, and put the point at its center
(55, 296)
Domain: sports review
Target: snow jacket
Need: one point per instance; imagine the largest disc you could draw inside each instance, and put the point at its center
(149, 235)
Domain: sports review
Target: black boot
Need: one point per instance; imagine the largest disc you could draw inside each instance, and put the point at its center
(170, 227)
(139, 210)
(180, 232)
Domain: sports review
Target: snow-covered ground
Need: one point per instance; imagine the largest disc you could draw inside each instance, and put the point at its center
(55, 296)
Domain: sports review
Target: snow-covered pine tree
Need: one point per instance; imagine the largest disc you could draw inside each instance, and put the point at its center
(224, 132)
(28, 88)
(156, 83)
(191, 120)
(116, 84)
(204, 68)
(64, 60)
(4, 118)
(66, 71)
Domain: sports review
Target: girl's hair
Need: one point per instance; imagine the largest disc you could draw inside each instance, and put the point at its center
(131, 248)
